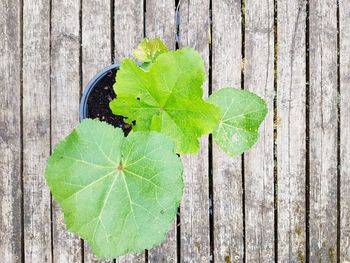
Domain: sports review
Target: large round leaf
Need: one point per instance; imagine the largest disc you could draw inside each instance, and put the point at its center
(120, 194)
(242, 114)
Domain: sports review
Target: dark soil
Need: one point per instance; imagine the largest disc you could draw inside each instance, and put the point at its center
(98, 103)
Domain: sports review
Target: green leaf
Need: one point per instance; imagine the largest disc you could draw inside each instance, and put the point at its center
(120, 194)
(149, 50)
(167, 98)
(242, 114)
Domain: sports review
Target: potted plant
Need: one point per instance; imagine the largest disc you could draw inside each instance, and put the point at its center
(120, 187)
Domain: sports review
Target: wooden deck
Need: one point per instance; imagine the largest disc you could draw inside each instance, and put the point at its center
(286, 200)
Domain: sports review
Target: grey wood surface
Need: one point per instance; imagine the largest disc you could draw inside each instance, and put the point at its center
(227, 171)
(291, 129)
(128, 27)
(344, 59)
(160, 22)
(10, 132)
(323, 131)
(36, 130)
(194, 220)
(65, 92)
(233, 209)
(259, 161)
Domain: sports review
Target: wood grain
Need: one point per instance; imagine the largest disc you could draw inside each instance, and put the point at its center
(195, 235)
(344, 49)
(49, 93)
(291, 128)
(96, 54)
(160, 22)
(259, 163)
(36, 130)
(323, 131)
(65, 91)
(227, 171)
(10, 132)
(128, 27)
(96, 37)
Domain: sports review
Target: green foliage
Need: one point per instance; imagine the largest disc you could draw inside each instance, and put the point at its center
(242, 114)
(149, 50)
(120, 194)
(168, 98)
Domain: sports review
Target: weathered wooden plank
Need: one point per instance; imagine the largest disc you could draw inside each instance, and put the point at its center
(344, 49)
(160, 22)
(96, 37)
(291, 151)
(167, 250)
(10, 132)
(128, 32)
(227, 171)
(96, 54)
(195, 237)
(36, 129)
(323, 130)
(128, 27)
(65, 91)
(259, 163)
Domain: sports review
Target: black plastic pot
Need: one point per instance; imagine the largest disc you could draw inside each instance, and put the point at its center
(84, 108)
(97, 94)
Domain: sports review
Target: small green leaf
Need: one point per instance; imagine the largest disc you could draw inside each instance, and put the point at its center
(149, 50)
(121, 194)
(167, 98)
(242, 114)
